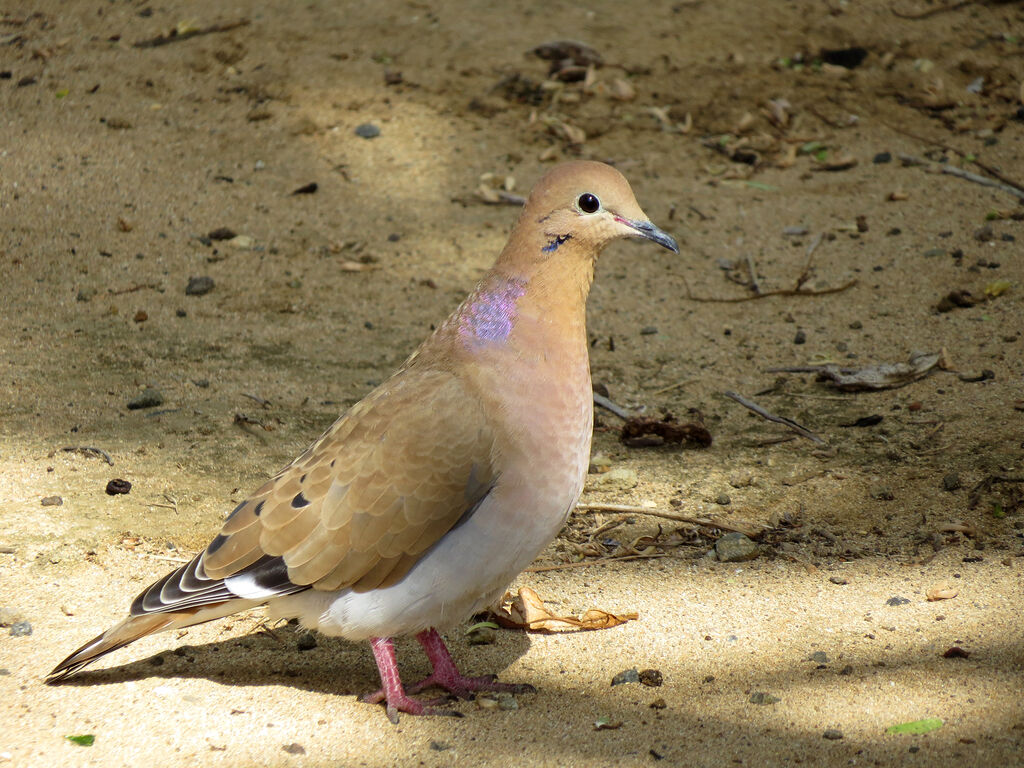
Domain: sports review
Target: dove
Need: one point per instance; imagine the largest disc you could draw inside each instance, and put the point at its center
(421, 503)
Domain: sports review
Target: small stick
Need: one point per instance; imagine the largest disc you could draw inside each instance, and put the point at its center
(783, 292)
(966, 175)
(703, 217)
(677, 385)
(705, 522)
(931, 11)
(134, 288)
(754, 285)
(599, 561)
(258, 399)
(89, 450)
(608, 405)
(800, 430)
(174, 37)
(167, 558)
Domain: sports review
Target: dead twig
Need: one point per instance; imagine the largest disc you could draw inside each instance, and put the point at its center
(676, 385)
(134, 288)
(966, 175)
(88, 450)
(608, 405)
(256, 398)
(598, 561)
(746, 529)
(174, 36)
(754, 285)
(931, 11)
(800, 430)
(782, 292)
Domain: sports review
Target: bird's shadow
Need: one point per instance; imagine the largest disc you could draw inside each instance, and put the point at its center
(284, 657)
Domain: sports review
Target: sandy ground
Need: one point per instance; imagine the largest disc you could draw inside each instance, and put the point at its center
(117, 161)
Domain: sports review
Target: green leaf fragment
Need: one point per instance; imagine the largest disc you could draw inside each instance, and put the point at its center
(927, 725)
(62, 93)
(821, 155)
(762, 186)
(482, 625)
(811, 147)
(85, 740)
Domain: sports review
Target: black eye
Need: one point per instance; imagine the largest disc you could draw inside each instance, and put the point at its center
(588, 203)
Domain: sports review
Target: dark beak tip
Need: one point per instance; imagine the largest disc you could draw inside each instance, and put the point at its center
(661, 237)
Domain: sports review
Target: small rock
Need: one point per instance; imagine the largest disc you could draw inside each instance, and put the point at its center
(599, 464)
(832, 734)
(307, 641)
(856, 325)
(838, 580)
(763, 699)
(148, 398)
(221, 233)
(658, 704)
(180, 313)
(241, 242)
(723, 499)
(367, 131)
(439, 746)
(51, 501)
(482, 636)
(85, 294)
(800, 338)
(792, 232)
(294, 749)
(614, 480)
(847, 670)
(984, 234)
(648, 330)
(819, 657)
(650, 677)
(882, 493)
(626, 676)
(21, 629)
(118, 486)
(897, 600)
(882, 157)
(199, 286)
(141, 316)
(735, 548)
(951, 482)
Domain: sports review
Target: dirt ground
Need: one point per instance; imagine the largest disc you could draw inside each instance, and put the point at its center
(767, 137)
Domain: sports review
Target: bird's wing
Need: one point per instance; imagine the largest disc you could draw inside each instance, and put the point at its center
(357, 509)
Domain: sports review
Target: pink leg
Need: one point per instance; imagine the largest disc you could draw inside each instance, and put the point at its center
(393, 692)
(446, 675)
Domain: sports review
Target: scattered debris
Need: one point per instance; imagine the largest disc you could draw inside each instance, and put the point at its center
(626, 676)
(897, 600)
(652, 678)
(747, 529)
(526, 611)
(199, 286)
(184, 31)
(294, 749)
(643, 431)
(873, 377)
(51, 501)
(941, 592)
(832, 734)
(800, 430)
(88, 450)
(761, 698)
(604, 724)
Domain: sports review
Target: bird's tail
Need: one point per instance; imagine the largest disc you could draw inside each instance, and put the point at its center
(134, 627)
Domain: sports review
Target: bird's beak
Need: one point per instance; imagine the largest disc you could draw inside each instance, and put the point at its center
(651, 232)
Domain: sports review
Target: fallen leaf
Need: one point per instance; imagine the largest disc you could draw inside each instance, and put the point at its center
(997, 288)
(85, 740)
(927, 725)
(526, 611)
(872, 377)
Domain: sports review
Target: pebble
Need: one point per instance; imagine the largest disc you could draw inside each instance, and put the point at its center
(367, 131)
(599, 464)
(833, 734)
(882, 493)
(856, 325)
(294, 749)
(618, 479)
(762, 698)
(723, 499)
(648, 330)
(199, 286)
(307, 641)
(897, 600)
(626, 676)
(800, 338)
(794, 231)
(652, 678)
(819, 657)
(735, 548)
(882, 157)
(118, 486)
(241, 242)
(148, 398)
(440, 746)
(838, 580)
(951, 482)
(21, 629)
(984, 234)
(51, 501)
(221, 233)
(482, 636)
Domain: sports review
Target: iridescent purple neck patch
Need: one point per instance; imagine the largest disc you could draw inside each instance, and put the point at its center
(488, 314)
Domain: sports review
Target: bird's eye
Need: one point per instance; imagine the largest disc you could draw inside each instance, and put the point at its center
(588, 203)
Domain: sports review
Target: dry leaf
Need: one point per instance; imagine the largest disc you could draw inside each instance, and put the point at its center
(526, 611)
(941, 592)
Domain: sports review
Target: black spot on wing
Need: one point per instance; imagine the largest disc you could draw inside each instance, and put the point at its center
(235, 511)
(299, 501)
(259, 509)
(217, 543)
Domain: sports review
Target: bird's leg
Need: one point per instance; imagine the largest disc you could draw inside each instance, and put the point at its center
(392, 691)
(447, 676)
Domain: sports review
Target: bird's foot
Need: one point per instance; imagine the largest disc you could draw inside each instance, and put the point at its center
(402, 702)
